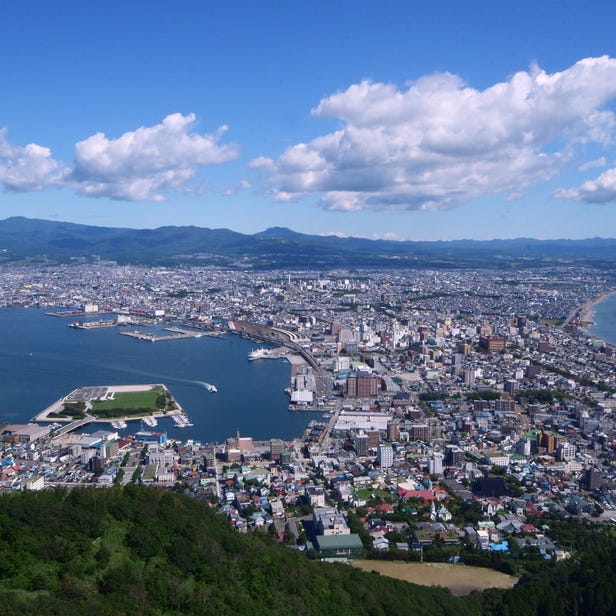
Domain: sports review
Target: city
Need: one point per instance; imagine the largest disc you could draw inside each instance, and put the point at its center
(456, 405)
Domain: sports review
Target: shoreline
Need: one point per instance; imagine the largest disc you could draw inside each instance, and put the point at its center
(586, 312)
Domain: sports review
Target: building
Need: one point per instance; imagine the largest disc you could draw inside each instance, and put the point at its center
(435, 463)
(565, 451)
(492, 344)
(511, 387)
(276, 449)
(393, 431)
(592, 479)
(454, 456)
(361, 445)
(362, 385)
(546, 441)
(329, 521)
(420, 432)
(384, 455)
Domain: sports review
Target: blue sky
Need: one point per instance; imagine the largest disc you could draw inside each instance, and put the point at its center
(401, 120)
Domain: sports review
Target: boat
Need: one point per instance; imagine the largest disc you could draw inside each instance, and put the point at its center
(181, 421)
(149, 421)
(119, 424)
(210, 387)
(257, 354)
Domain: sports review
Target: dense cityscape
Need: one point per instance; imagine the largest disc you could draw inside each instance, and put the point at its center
(457, 406)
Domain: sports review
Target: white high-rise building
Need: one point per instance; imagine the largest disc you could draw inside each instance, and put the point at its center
(384, 455)
(435, 463)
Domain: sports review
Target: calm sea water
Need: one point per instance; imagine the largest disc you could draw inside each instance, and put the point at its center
(41, 360)
(605, 320)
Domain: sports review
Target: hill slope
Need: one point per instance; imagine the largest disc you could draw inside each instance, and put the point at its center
(141, 550)
(27, 240)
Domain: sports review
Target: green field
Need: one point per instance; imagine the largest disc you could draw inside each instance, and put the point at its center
(129, 403)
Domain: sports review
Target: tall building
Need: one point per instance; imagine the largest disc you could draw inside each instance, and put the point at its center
(454, 456)
(361, 445)
(362, 385)
(511, 387)
(276, 449)
(565, 451)
(374, 436)
(393, 431)
(547, 441)
(492, 344)
(384, 455)
(420, 432)
(592, 479)
(435, 463)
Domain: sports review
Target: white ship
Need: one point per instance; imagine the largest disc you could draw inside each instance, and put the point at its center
(149, 421)
(119, 424)
(210, 387)
(257, 354)
(181, 421)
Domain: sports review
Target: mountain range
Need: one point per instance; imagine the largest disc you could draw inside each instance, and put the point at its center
(43, 241)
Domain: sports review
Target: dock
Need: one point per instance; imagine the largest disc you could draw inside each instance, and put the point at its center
(176, 334)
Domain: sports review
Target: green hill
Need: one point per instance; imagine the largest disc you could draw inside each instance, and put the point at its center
(147, 551)
(141, 550)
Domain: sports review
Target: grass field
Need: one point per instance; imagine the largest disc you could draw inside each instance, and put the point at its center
(460, 579)
(130, 403)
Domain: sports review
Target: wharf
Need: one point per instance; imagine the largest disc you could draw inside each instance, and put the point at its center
(76, 313)
(92, 324)
(176, 334)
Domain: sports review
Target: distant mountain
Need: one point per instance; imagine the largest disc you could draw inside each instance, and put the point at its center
(44, 241)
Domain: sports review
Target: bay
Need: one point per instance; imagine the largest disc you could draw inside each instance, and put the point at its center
(604, 317)
(41, 360)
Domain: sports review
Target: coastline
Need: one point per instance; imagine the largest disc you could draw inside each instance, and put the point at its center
(586, 312)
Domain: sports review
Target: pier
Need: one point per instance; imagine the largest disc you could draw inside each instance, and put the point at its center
(176, 334)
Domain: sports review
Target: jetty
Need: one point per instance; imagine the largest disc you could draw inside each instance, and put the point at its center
(176, 334)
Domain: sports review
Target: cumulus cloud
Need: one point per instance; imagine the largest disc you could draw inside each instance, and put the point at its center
(28, 168)
(147, 162)
(438, 142)
(599, 190)
(139, 165)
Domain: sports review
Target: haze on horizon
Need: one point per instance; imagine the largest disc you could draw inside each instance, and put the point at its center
(414, 123)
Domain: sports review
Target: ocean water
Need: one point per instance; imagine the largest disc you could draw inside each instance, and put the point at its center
(41, 360)
(604, 317)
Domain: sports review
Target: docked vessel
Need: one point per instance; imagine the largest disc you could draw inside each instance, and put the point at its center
(257, 354)
(119, 424)
(150, 421)
(181, 421)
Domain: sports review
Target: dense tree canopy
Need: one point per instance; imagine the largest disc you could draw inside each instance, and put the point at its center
(138, 550)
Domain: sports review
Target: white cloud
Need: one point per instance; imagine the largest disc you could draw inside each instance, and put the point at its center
(28, 168)
(438, 143)
(599, 190)
(593, 164)
(339, 234)
(139, 165)
(145, 163)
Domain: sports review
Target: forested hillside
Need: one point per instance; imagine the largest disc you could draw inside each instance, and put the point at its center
(142, 550)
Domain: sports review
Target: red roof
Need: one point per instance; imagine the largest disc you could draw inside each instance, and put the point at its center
(426, 495)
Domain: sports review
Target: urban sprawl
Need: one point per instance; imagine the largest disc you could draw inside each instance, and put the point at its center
(459, 407)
